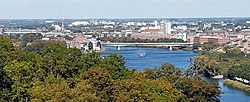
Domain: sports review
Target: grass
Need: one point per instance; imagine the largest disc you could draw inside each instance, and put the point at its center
(237, 85)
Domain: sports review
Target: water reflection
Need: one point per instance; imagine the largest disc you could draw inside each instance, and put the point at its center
(230, 94)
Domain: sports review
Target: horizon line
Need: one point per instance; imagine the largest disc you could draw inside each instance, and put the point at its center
(126, 18)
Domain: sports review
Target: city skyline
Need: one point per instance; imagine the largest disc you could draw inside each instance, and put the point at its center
(81, 9)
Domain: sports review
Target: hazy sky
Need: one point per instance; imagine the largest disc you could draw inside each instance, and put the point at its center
(123, 8)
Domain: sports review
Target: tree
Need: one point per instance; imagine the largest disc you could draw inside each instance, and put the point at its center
(5, 86)
(52, 72)
(167, 71)
(31, 37)
(68, 38)
(58, 89)
(209, 46)
(115, 64)
(198, 90)
(90, 46)
(101, 82)
(7, 54)
(21, 73)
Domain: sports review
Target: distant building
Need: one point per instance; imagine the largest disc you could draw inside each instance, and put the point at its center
(182, 36)
(83, 42)
(78, 42)
(152, 36)
(247, 45)
(49, 22)
(1, 30)
(79, 23)
(45, 39)
(166, 27)
(130, 23)
(150, 31)
(58, 28)
(181, 28)
(204, 39)
(96, 44)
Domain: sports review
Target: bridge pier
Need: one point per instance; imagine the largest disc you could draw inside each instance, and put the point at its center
(170, 48)
(118, 48)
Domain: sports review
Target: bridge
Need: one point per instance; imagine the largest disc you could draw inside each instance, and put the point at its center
(21, 32)
(170, 45)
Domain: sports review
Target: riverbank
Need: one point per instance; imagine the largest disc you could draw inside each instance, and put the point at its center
(181, 59)
(237, 85)
(100, 51)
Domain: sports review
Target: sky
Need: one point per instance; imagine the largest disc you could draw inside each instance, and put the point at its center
(81, 9)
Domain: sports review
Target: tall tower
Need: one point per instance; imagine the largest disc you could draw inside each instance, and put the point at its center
(30, 16)
(155, 24)
(166, 27)
(86, 16)
(62, 23)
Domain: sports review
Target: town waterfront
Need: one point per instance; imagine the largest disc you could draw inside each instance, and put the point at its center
(154, 57)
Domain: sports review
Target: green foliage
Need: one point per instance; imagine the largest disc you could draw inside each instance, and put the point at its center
(5, 86)
(167, 71)
(7, 53)
(242, 71)
(7, 50)
(115, 65)
(90, 46)
(231, 63)
(58, 89)
(68, 38)
(237, 85)
(31, 37)
(21, 74)
(209, 46)
(198, 90)
(27, 39)
(48, 71)
(101, 82)
(39, 44)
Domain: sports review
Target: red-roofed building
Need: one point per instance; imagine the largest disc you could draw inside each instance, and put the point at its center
(204, 39)
(151, 31)
(151, 36)
(78, 41)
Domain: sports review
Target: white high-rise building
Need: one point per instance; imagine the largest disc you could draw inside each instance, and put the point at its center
(182, 36)
(166, 27)
(1, 30)
(155, 23)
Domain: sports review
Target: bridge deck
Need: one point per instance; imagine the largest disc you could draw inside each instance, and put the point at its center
(130, 44)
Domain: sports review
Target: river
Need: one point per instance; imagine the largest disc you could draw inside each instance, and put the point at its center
(154, 57)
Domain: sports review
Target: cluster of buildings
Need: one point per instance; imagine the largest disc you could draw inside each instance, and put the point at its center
(229, 34)
(230, 31)
(85, 42)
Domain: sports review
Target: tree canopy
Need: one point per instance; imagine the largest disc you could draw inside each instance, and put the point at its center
(51, 72)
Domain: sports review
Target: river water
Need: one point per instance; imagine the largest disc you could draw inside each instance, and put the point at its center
(155, 57)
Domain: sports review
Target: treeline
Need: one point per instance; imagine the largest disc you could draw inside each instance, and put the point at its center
(242, 71)
(231, 63)
(208, 46)
(133, 40)
(51, 72)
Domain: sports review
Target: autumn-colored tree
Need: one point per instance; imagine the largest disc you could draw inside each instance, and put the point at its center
(52, 72)
(198, 90)
(58, 89)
